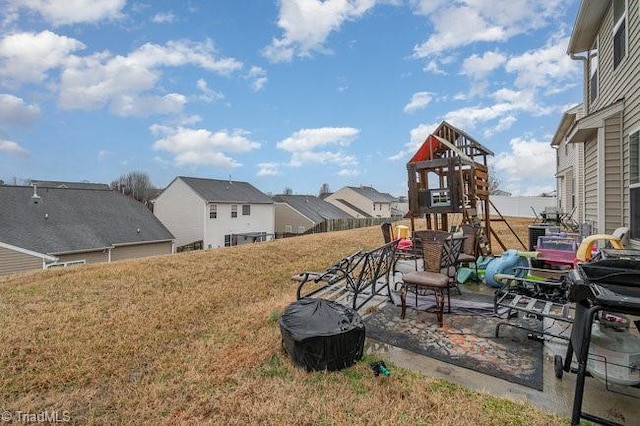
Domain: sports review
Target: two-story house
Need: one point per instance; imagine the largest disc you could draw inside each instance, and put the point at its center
(219, 213)
(569, 166)
(362, 201)
(295, 214)
(605, 39)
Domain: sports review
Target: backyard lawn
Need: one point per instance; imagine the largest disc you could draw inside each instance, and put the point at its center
(193, 338)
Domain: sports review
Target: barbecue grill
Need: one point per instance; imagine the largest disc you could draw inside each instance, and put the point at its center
(610, 284)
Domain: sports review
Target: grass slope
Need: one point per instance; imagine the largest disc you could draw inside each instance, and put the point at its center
(194, 338)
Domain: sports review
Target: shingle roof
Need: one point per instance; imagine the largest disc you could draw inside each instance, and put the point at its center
(73, 185)
(372, 194)
(66, 220)
(313, 208)
(226, 191)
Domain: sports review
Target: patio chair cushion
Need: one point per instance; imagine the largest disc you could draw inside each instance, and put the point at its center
(466, 258)
(426, 279)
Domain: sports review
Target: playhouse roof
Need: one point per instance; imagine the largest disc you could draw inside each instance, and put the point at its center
(462, 140)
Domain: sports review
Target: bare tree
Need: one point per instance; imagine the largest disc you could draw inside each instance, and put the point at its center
(324, 189)
(494, 180)
(136, 185)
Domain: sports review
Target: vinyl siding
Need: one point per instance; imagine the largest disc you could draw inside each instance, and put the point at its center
(616, 84)
(140, 250)
(613, 174)
(591, 181)
(182, 211)
(13, 261)
(261, 219)
(88, 257)
(360, 201)
(286, 215)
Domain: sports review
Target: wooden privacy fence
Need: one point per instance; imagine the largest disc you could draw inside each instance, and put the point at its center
(345, 224)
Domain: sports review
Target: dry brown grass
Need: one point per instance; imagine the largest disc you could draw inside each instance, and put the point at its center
(194, 338)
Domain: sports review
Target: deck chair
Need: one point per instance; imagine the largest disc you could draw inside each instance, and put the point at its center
(387, 232)
(469, 252)
(430, 280)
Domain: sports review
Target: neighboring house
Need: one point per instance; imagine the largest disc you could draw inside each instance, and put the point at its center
(295, 214)
(216, 212)
(606, 39)
(569, 166)
(362, 201)
(46, 227)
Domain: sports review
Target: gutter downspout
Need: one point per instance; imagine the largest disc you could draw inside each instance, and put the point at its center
(585, 62)
(586, 101)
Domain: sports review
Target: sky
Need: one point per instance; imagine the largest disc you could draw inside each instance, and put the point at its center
(280, 93)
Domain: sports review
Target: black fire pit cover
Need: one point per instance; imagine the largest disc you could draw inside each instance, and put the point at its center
(320, 334)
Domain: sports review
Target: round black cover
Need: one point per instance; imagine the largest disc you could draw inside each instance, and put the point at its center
(320, 334)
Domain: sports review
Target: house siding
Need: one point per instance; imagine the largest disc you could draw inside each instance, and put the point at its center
(359, 201)
(88, 256)
(286, 215)
(591, 182)
(615, 84)
(613, 173)
(261, 219)
(12, 261)
(141, 250)
(182, 211)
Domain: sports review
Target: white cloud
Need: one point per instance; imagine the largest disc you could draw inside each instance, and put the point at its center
(27, 57)
(433, 67)
(268, 169)
(122, 81)
(143, 106)
(460, 23)
(544, 67)
(311, 146)
(71, 11)
(348, 172)
(540, 160)
(163, 18)
(201, 146)
(15, 112)
(103, 154)
(208, 95)
(12, 148)
(418, 101)
(259, 78)
(417, 136)
(308, 23)
(478, 67)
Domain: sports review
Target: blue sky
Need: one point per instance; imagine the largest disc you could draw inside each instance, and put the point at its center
(282, 94)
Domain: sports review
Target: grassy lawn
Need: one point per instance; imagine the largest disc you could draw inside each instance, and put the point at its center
(194, 338)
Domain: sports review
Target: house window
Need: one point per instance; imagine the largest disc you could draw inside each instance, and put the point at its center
(213, 211)
(227, 240)
(634, 158)
(234, 210)
(619, 31)
(300, 229)
(593, 74)
(246, 209)
(634, 181)
(288, 229)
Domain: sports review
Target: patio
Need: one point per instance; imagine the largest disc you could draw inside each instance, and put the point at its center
(556, 395)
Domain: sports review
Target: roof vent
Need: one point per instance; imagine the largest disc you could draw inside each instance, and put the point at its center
(35, 197)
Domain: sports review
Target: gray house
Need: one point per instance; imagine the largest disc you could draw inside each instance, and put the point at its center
(605, 39)
(215, 212)
(295, 214)
(362, 201)
(47, 227)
